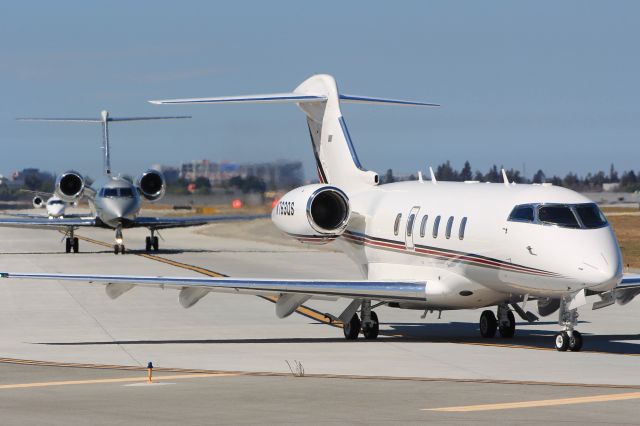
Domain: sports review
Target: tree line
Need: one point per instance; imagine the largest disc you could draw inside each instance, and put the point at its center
(628, 181)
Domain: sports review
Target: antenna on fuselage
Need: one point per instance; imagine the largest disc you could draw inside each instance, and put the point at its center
(104, 120)
(505, 178)
(433, 176)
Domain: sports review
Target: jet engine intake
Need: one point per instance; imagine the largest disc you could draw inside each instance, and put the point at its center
(313, 213)
(70, 186)
(151, 185)
(38, 202)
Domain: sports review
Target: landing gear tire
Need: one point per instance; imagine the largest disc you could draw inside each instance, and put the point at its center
(68, 245)
(371, 331)
(76, 245)
(562, 341)
(352, 328)
(488, 324)
(155, 243)
(118, 249)
(508, 330)
(147, 244)
(575, 341)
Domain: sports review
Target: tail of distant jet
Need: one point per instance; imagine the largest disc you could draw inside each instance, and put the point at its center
(104, 120)
(336, 159)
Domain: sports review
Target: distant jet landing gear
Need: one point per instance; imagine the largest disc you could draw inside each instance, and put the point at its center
(568, 338)
(151, 242)
(506, 321)
(72, 243)
(370, 325)
(118, 247)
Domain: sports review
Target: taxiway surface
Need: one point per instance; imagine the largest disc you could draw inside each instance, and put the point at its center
(77, 323)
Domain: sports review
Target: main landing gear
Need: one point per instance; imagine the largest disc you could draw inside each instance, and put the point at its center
(118, 247)
(151, 242)
(72, 242)
(370, 326)
(505, 323)
(568, 338)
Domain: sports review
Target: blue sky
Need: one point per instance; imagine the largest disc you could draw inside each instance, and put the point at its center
(550, 84)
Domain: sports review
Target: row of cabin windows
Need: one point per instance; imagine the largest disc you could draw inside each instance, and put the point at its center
(435, 228)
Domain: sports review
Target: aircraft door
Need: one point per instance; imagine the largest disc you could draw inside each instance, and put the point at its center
(409, 232)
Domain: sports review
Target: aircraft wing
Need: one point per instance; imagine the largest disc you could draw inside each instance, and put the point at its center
(183, 222)
(195, 287)
(39, 216)
(43, 222)
(628, 289)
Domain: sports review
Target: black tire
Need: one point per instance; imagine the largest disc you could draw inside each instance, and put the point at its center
(68, 245)
(156, 244)
(562, 341)
(488, 324)
(352, 328)
(575, 341)
(121, 248)
(371, 332)
(76, 245)
(147, 244)
(116, 249)
(508, 331)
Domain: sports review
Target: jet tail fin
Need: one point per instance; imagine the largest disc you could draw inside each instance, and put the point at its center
(319, 99)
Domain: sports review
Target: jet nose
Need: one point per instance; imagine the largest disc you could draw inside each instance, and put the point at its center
(604, 269)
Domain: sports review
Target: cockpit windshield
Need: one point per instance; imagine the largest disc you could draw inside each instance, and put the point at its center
(117, 192)
(53, 202)
(584, 216)
(126, 192)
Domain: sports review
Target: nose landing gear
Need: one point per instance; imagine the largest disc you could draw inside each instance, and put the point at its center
(118, 247)
(568, 338)
(71, 242)
(151, 242)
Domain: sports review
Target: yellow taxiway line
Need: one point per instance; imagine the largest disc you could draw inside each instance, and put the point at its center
(114, 380)
(539, 403)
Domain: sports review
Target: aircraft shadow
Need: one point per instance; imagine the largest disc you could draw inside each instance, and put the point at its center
(456, 333)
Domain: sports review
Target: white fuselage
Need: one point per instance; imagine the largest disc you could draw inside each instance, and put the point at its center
(493, 260)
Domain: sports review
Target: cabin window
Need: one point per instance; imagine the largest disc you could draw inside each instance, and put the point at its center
(396, 226)
(558, 215)
(423, 225)
(447, 232)
(590, 216)
(522, 214)
(463, 225)
(412, 219)
(436, 225)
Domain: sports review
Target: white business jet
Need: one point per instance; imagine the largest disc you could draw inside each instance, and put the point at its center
(423, 245)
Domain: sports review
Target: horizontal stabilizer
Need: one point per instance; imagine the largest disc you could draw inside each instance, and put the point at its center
(266, 98)
(381, 101)
(99, 120)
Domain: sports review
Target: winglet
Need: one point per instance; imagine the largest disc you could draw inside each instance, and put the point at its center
(505, 178)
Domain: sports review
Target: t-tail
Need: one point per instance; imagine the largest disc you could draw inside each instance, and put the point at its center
(104, 120)
(318, 96)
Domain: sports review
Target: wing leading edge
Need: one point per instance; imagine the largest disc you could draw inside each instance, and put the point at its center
(183, 222)
(46, 223)
(389, 291)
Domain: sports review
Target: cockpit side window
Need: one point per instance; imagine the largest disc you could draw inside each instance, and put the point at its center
(558, 215)
(590, 216)
(522, 214)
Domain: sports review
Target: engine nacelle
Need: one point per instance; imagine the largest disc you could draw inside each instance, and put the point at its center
(151, 185)
(70, 186)
(38, 202)
(313, 214)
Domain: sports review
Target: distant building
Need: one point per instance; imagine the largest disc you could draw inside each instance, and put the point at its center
(276, 175)
(611, 187)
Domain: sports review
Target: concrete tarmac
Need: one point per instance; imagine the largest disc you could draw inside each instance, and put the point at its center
(78, 323)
